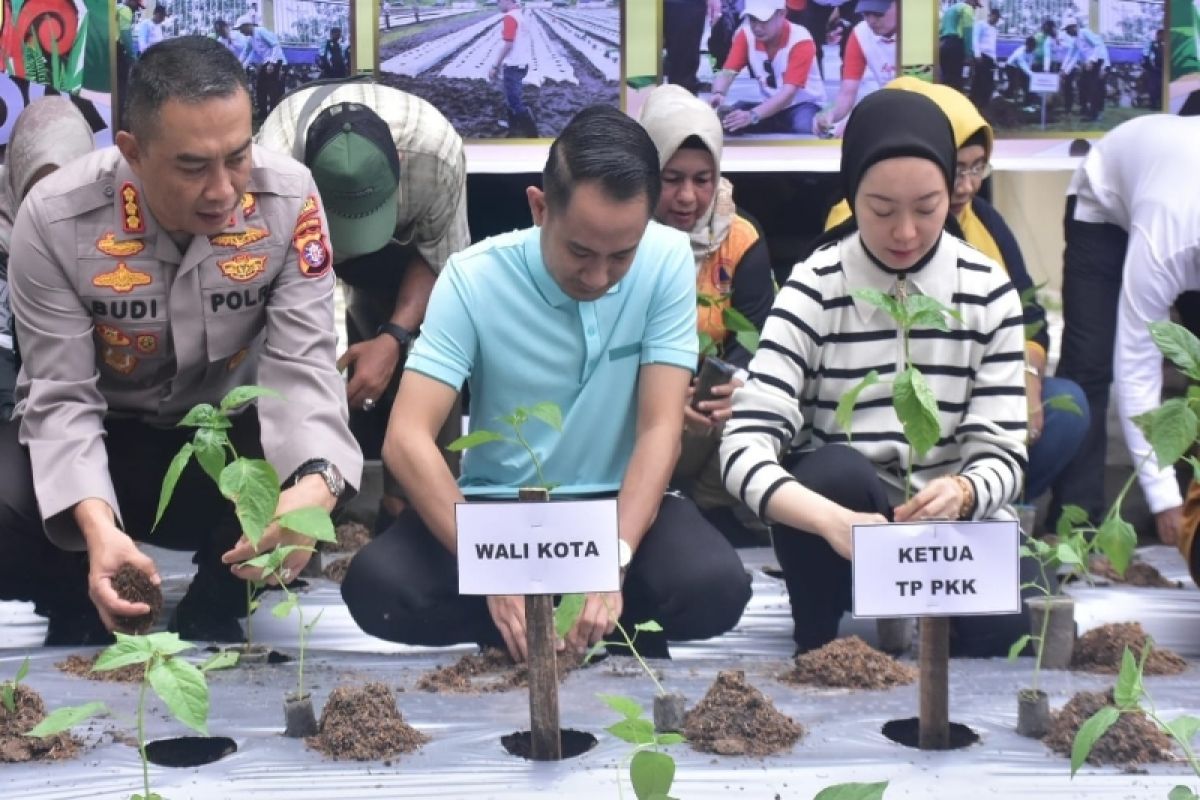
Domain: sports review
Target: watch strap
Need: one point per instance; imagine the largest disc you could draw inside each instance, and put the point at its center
(401, 334)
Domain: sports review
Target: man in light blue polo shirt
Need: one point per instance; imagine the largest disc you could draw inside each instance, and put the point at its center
(593, 310)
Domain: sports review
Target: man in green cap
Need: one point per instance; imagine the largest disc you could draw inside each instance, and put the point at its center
(392, 176)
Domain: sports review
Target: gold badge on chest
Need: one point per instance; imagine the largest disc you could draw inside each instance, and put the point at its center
(122, 279)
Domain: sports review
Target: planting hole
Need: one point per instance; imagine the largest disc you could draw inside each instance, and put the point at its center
(906, 732)
(574, 743)
(189, 751)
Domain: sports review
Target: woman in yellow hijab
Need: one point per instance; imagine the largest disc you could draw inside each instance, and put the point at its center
(1055, 431)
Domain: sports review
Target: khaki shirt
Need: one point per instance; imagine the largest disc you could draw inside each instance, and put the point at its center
(432, 211)
(114, 320)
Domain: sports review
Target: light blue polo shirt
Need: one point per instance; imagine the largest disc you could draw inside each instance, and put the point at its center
(498, 320)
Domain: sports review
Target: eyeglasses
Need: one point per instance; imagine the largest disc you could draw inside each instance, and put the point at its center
(769, 71)
(977, 172)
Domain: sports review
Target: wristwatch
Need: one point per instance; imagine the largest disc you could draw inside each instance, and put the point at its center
(332, 475)
(400, 334)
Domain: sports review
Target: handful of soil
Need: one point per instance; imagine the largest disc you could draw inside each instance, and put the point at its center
(1138, 573)
(735, 719)
(15, 746)
(336, 570)
(849, 663)
(133, 585)
(81, 667)
(1132, 740)
(1101, 649)
(490, 670)
(351, 537)
(362, 723)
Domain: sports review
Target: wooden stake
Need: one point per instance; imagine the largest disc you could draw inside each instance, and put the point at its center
(546, 740)
(934, 728)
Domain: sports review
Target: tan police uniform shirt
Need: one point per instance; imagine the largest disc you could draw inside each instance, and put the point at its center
(114, 320)
(432, 211)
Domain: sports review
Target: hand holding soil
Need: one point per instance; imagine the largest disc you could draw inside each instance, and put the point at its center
(108, 552)
(598, 619)
(508, 612)
(136, 587)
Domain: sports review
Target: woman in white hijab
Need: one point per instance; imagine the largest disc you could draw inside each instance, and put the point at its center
(733, 270)
(48, 133)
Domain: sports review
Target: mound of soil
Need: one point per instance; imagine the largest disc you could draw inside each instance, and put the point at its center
(351, 537)
(135, 586)
(490, 670)
(735, 719)
(81, 667)
(1101, 649)
(1138, 573)
(362, 723)
(849, 663)
(336, 571)
(1132, 740)
(30, 710)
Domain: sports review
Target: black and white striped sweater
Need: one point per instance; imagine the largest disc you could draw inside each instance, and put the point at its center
(819, 342)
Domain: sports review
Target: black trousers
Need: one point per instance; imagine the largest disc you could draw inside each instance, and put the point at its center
(268, 89)
(33, 568)
(983, 81)
(1091, 90)
(952, 54)
(1018, 84)
(819, 580)
(683, 27)
(403, 586)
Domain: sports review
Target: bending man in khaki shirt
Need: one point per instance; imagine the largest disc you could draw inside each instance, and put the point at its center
(149, 277)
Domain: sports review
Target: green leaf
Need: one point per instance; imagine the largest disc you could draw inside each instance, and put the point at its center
(474, 439)
(1064, 402)
(244, 394)
(1068, 519)
(283, 609)
(927, 312)
(174, 470)
(128, 650)
(707, 300)
(1184, 728)
(222, 660)
(1170, 429)
(1067, 554)
(649, 626)
(1195, 467)
(664, 739)
(917, 409)
(881, 300)
(548, 413)
(568, 611)
(1117, 540)
(749, 340)
(1089, 733)
(706, 344)
(1182, 793)
(203, 415)
(22, 671)
(627, 707)
(183, 688)
(634, 731)
(595, 650)
(853, 791)
(1128, 690)
(8, 696)
(845, 406)
(209, 445)
(1179, 345)
(1015, 651)
(311, 521)
(253, 486)
(64, 719)
(651, 773)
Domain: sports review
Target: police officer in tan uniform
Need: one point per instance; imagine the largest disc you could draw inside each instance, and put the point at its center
(149, 277)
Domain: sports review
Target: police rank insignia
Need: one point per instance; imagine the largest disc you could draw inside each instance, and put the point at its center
(146, 343)
(122, 279)
(248, 204)
(112, 335)
(123, 363)
(239, 240)
(309, 240)
(243, 266)
(131, 208)
(109, 245)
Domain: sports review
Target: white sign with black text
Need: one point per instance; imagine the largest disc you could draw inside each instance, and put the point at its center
(1044, 83)
(934, 569)
(537, 548)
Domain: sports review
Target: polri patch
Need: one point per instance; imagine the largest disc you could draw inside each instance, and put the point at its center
(240, 239)
(243, 267)
(146, 343)
(109, 245)
(122, 279)
(121, 362)
(112, 335)
(132, 220)
(310, 242)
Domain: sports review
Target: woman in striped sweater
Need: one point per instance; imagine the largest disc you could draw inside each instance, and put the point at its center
(783, 452)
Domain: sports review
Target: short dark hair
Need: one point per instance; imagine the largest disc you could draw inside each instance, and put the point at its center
(604, 145)
(334, 29)
(190, 69)
(1030, 42)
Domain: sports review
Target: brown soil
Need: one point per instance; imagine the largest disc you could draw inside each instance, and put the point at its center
(351, 537)
(362, 723)
(488, 671)
(736, 719)
(81, 667)
(849, 663)
(336, 571)
(1101, 650)
(1133, 739)
(1138, 573)
(135, 586)
(16, 747)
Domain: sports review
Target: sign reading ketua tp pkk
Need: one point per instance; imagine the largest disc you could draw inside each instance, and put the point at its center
(933, 569)
(538, 548)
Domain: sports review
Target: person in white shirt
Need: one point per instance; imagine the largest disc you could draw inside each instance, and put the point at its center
(512, 65)
(1132, 247)
(1019, 68)
(149, 32)
(262, 49)
(983, 76)
(870, 54)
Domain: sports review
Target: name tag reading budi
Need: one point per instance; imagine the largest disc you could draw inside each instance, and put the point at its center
(931, 569)
(537, 548)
